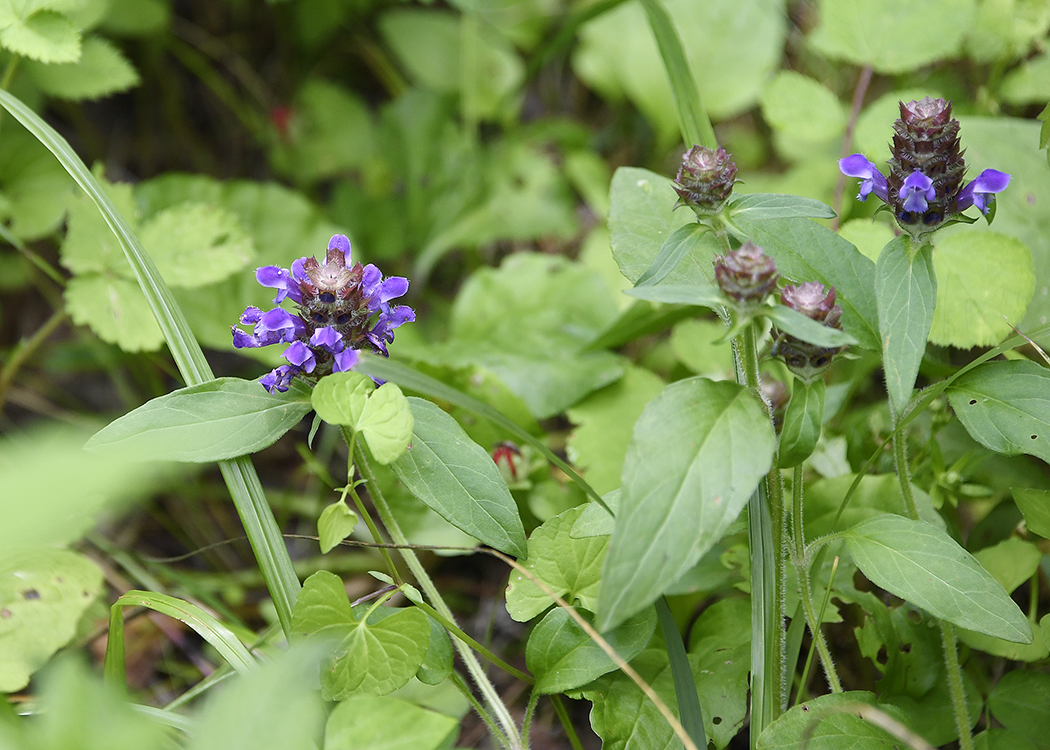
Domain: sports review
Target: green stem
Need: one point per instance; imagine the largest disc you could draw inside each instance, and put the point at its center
(464, 688)
(767, 650)
(512, 739)
(25, 350)
(802, 563)
(566, 722)
(948, 644)
(350, 437)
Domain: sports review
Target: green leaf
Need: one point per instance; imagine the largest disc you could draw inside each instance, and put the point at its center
(806, 251)
(892, 36)
(765, 206)
(685, 240)
(705, 295)
(719, 656)
(437, 664)
(330, 134)
(429, 44)
(641, 222)
(34, 186)
(322, 606)
(43, 594)
(340, 398)
(562, 656)
(828, 723)
(375, 656)
(458, 479)
(906, 290)
(335, 524)
(42, 35)
(281, 699)
(693, 122)
(388, 723)
(135, 17)
(923, 565)
(1011, 562)
(802, 421)
(217, 420)
(1021, 703)
(194, 244)
(90, 245)
(115, 309)
(1037, 650)
(802, 110)
(985, 281)
(386, 423)
(604, 421)
(803, 327)
(697, 453)
(618, 58)
(1035, 505)
(102, 70)
(1005, 406)
(874, 496)
(569, 567)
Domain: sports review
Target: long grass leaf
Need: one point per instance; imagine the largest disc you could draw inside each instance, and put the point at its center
(692, 118)
(240, 476)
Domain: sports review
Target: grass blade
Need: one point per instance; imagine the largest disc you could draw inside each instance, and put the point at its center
(239, 473)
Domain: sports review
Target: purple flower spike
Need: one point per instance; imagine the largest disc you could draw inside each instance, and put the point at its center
(872, 180)
(917, 191)
(981, 192)
(341, 242)
(340, 309)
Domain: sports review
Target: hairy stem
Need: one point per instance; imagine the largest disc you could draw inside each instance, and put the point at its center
(948, 645)
(511, 739)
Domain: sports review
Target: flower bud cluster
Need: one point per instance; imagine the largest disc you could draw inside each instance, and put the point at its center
(705, 180)
(746, 275)
(815, 301)
(342, 309)
(925, 188)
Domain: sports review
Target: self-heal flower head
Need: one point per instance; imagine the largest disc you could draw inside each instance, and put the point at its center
(705, 179)
(341, 308)
(924, 187)
(746, 275)
(807, 361)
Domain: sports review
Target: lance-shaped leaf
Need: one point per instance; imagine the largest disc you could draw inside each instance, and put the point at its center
(906, 292)
(765, 206)
(698, 452)
(803, 327)
(457, 479)
(923, 565)
(802, 421)
(213, 421)
(1005, 406)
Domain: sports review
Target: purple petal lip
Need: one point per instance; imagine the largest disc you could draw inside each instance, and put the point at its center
(328, 339)
(281, 280)
(916, 192)
(300, 355)
(981, 192)
(872, 180)
(345, 360)
(342, 242)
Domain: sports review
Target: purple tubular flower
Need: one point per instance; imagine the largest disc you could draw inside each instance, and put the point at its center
(327, 338)
(300, 355)
(281, 280)
(279, 378)
(872, 180)
(917, 191)
(341, 242)
(345, 360)
(981, 192)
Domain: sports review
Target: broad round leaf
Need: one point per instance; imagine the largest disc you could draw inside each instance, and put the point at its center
(340, 398)
(386, 423)
(116, 310)
(102, 70)
(44, 35)
(1005, 406)
(335, 524)
(1021, 702)
(194, 244)
(985, 281)
(43, 593)
(923, 565)
(698, 452)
